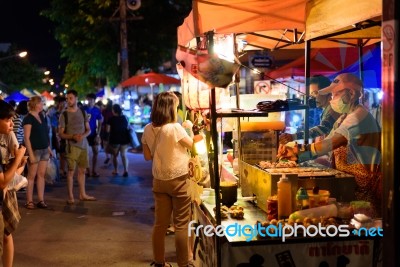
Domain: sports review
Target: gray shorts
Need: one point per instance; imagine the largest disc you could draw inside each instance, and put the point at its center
(41, 155)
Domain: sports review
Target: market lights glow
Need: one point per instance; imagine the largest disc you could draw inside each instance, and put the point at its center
(200, 144)
(380, 95)
(21, 55)
(223, 47)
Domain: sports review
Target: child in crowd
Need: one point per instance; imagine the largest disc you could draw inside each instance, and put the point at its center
(12, 164)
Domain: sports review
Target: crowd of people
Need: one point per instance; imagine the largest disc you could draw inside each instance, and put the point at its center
(31, 135)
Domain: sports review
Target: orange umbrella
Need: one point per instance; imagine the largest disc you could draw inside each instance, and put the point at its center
(149, 79)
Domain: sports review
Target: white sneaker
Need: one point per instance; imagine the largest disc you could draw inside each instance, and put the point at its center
(17, 182)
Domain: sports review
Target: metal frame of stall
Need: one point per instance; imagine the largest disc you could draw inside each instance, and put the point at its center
(390, 131)
(214, 115)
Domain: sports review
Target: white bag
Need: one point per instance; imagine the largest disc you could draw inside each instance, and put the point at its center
(52, 172)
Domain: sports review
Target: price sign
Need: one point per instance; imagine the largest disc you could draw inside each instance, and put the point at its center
(261, 62)
(195, 172)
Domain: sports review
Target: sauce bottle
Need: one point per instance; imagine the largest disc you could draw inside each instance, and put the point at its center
(284, 197)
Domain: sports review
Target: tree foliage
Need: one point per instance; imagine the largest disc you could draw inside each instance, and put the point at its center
(18, 73)
(88, 32)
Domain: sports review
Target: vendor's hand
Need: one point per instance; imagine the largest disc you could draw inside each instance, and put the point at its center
(285, 138)
(288, 153)
(197, 128)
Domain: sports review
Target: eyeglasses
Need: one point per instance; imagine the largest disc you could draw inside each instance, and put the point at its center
(314, 93)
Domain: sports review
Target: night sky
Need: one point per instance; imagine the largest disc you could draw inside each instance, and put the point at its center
(22, 25)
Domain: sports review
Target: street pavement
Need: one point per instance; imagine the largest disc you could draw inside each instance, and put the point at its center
(115, 230)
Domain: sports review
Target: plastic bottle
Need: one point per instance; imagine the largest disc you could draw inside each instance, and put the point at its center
(284, 197)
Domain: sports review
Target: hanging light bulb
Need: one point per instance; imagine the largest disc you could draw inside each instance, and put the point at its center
(200, 144)
(198, 139)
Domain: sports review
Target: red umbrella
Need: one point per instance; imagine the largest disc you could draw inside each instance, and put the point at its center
(149, 79)
(47, 95)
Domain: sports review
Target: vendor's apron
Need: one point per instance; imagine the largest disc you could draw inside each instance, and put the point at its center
(369, 184)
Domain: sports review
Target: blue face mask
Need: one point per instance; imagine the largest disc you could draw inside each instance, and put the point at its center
(339, 106)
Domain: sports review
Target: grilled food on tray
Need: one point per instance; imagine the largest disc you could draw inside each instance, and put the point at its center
(236, 212)
(224, 211)
(280, 164)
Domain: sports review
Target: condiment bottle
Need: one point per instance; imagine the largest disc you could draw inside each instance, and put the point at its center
(284, 197)
(302, 200)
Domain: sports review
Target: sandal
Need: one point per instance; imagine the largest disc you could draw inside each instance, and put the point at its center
(30, 205)
(87, 198)
(41, 205)
(114, 173)
(70, 202)
(95, 175)
(125, 174)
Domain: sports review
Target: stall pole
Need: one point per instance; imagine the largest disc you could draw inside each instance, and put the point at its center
(361, 65)
(124, 41)
(390, 132)
(307, 85)
(214, 135)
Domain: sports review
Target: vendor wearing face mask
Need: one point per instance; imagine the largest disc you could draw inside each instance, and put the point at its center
(354, 142)
(328, 116)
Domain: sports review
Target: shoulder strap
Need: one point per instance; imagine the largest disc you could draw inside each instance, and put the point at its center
(83, 113)
(153, 149)
(84, 117)
(65, 114)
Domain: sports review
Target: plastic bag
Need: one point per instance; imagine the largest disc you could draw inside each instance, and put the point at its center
(52, 174)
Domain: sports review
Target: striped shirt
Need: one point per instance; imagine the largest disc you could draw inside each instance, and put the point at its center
(18, 127)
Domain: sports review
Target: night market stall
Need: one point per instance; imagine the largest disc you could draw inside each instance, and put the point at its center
(246, 246)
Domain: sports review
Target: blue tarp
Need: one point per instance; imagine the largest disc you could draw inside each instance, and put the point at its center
(16, 96)
(372, 68)
(100, 93)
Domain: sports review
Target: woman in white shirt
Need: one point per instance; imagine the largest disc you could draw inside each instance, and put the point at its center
(166, 142)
